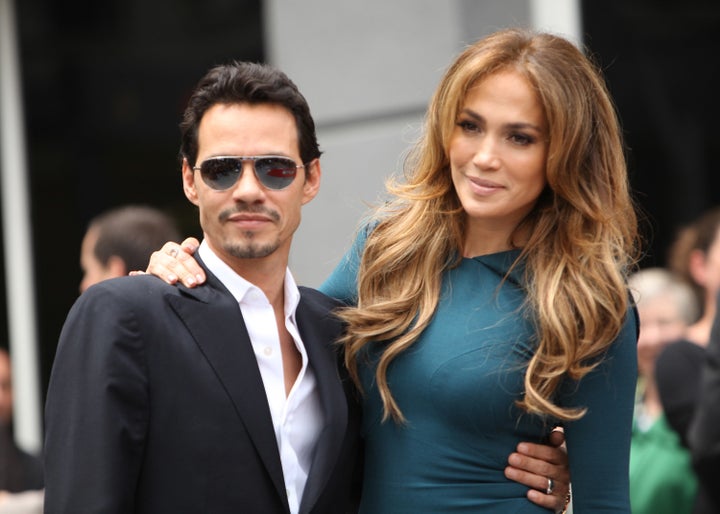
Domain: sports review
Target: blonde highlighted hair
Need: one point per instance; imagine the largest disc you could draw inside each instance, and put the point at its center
(582, 231)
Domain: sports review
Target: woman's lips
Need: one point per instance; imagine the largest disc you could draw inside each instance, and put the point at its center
(484, 187)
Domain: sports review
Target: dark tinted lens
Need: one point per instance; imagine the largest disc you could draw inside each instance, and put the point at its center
(275, 172)
(220, 173)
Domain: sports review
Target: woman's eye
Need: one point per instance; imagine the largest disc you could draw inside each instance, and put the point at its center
(521, 139)
(468, 126)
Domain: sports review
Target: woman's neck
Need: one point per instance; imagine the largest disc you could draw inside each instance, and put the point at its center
(486, 240)
(699, 332)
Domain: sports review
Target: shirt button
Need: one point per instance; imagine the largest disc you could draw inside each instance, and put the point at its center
(268, 351)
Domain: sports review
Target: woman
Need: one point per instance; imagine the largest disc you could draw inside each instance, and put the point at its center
(487, 298)
(662, 480)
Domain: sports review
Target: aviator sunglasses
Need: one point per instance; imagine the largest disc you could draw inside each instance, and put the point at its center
(273, 171)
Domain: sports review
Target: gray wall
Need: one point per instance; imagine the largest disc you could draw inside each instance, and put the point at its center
(368, 69)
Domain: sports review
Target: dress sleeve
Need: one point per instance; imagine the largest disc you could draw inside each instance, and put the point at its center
(342, 282)
(97, 408)
(599, 443)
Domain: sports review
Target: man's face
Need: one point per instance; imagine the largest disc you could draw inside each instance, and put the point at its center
(248, 220)
(93, 270)
(6, 394)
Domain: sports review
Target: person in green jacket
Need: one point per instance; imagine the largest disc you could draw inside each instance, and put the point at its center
(661, 476)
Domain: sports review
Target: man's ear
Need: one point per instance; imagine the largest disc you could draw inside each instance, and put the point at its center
(188, 178)
(312, 180)
(116, 267)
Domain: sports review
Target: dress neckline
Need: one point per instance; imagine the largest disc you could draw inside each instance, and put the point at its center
(499, 263)
(502, 255)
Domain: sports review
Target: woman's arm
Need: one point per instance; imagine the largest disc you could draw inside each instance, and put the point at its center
(599, 443)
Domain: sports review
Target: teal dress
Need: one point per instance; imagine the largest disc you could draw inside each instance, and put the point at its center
(456, 386)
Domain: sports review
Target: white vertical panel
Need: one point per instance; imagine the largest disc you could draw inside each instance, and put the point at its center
(368, 69)
(17, 241)
(558, 16)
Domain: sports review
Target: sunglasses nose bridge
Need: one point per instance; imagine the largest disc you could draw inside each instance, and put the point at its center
(247, 173)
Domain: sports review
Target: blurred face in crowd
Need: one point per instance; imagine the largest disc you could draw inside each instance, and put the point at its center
(705, 266)
(661, 323)
(95, 271)
(6, 394)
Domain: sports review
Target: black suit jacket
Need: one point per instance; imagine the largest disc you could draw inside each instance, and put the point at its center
(156, 405)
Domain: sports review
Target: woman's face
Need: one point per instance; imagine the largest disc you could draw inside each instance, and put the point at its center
(498, 152)
(706, 267)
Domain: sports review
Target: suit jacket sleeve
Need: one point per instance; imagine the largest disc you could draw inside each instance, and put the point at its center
(97, 393)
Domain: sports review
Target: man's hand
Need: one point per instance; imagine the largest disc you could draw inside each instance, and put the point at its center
(175, 262)
(544, 469)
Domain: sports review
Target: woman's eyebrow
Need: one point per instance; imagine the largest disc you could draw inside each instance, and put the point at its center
(518, 125)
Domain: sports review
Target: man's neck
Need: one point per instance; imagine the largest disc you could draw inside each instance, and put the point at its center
(270, 278)
(266, 273)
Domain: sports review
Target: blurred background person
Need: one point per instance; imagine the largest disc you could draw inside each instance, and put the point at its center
(704, 431)
(20, 472)
(121, 240)
(661, 476)
(695, 255)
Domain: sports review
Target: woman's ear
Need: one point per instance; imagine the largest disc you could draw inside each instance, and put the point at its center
(696, 267)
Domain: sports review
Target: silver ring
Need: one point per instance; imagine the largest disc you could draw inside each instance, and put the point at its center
(173, 252)
(550, 486)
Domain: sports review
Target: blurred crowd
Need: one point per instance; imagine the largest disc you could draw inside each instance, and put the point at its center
(676, 445)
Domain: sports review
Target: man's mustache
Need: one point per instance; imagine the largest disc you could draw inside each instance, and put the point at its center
(246, 208)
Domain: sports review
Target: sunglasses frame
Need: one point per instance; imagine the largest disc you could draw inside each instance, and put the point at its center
(243, 159)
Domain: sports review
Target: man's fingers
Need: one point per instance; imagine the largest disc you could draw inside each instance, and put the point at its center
(543, 460)
(175, 262)
(537, 488)
(553, 454)
(557, 437)
(534, 465)
(556, 501)
(190, 245)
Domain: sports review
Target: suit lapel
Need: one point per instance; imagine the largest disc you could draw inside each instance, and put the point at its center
(213, 317)
(318, 338)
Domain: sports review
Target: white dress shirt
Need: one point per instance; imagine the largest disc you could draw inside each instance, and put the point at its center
(297, 417)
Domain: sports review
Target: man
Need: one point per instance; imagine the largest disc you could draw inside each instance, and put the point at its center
(226, 397)
(164, 399)
(122, 239)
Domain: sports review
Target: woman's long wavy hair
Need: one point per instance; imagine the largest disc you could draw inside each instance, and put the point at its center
(582, 231)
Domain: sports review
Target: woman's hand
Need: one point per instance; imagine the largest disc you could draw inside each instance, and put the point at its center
(175, 262)
(545, 469)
